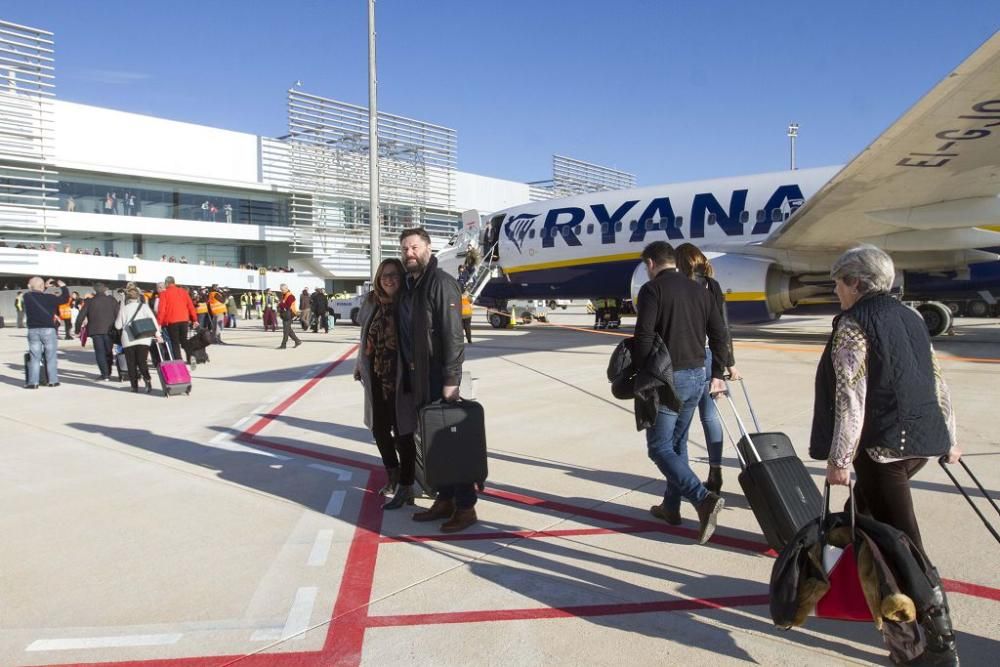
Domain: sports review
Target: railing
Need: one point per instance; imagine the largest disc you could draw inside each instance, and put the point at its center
(484, 272)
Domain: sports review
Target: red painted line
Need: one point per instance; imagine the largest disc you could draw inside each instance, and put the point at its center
(581, 611)
(262, 423)
(650, 526)
(346, 632)
(512, 534)
(975, 590)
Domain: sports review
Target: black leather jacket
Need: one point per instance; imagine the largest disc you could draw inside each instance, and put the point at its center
(654, 386)
(436, 335)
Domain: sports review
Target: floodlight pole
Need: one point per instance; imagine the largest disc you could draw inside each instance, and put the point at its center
(793, 133)
(373, 208)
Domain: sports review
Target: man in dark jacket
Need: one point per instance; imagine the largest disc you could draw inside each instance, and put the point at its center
(100, 313)
(42, 310)
(431, 351)
(682, 313)
(318, 303)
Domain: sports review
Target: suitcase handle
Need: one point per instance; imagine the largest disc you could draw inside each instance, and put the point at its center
(739, 422)
(943, 461)
(826, 510)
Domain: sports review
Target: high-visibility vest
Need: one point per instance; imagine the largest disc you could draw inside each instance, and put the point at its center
(466, 306)
(215, 306)
(201, 308)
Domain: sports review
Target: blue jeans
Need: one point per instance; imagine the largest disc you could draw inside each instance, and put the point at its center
(666, 441)
(711, 423)
(102, 350)
(44, 340)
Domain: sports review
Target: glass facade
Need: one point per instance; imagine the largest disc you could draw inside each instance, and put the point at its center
(82, 193)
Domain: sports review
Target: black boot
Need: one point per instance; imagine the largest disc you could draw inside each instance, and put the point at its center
(714, 481)
(403, 496)
(936, 622)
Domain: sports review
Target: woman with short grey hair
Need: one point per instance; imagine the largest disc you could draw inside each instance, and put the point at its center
(882, 406)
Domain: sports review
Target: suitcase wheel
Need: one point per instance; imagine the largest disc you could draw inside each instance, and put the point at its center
(188, 392)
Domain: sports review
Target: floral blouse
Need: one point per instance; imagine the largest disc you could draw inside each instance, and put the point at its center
(850, 354)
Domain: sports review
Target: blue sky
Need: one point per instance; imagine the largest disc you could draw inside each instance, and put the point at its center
(670, 91)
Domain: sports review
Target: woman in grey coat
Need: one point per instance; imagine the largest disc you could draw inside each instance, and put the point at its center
(136, 350)
(376, 368)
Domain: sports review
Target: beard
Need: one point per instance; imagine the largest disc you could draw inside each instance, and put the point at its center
(417, 264)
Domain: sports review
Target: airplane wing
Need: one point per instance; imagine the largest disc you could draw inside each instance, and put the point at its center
(928, 180)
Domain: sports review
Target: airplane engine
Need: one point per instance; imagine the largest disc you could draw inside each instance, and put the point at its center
(757, 290)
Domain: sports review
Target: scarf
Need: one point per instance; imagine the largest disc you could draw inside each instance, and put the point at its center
(381, 347)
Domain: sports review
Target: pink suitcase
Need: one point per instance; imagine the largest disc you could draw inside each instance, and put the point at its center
(174, 375)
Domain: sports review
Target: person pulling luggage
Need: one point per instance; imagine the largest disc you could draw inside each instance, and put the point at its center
(377, 368)
(431, 353)
(682, 314)
(693, 264)
(882, 405)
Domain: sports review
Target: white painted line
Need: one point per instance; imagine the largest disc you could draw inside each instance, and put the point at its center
(77, 643)
(266, 635)
(321, 548)
(302, 607)
(336, 503)
(231, 446)
(342, 475)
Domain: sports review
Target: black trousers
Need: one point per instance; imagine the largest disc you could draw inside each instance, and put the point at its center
(136, 357)
(178, 333)
(467, 325)
(286, 330)
(883, 492)
(68, 324)
(396, 451)
(464, 495)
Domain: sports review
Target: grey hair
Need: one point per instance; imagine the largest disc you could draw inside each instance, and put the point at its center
(865, 267)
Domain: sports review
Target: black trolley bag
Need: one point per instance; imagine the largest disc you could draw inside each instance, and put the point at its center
(782, 495)
(43, 371)
(451, 444)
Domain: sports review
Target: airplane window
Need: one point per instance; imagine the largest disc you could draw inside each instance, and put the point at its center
(678, 221)
(786, 215)
(631, 226)
(711, 218)
(590, 229)
(761, 215)
(578, 230)
(745, 217)
(649, 225)
(604, 228)
(775, 215)
(522, 234)
(618, 226)
(531, 234)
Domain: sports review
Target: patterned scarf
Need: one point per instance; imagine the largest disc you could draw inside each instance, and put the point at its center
(381, 346)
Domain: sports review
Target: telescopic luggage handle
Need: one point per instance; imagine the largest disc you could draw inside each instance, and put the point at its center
(945, 465)
(744, 433)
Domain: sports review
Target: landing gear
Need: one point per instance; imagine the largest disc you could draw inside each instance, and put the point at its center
(937, 317)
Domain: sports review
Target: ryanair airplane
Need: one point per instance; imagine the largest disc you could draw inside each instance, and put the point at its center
(926, 191)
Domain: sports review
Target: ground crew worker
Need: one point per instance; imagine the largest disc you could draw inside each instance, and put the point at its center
(467, 315)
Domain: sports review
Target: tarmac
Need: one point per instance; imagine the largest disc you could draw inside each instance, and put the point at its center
(241, 524)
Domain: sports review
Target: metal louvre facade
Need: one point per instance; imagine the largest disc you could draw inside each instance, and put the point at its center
(28, 182)
(326, 153)
(574, 177)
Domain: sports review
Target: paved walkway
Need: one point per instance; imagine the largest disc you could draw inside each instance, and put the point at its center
(240, 524)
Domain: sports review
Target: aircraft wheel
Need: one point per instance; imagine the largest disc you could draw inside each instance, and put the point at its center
(955, 307)
(936, 316)
(978, 308)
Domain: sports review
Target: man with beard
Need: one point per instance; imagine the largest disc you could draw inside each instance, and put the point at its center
(431, 354)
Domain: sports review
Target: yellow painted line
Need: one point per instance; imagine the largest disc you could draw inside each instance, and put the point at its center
(574, 262)
(746, 296)
(990, 228)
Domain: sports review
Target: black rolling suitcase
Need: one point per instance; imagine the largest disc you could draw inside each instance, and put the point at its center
(451, 444)
(782, 495)
(43, 372)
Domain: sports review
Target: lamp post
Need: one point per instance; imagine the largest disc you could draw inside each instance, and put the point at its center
(793, 133)
(375, 239)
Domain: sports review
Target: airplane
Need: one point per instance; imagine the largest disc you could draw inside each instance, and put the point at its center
(925, 191)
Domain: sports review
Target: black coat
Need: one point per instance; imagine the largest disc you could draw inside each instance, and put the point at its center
(437, 342)
(100, 312)
(653, 386)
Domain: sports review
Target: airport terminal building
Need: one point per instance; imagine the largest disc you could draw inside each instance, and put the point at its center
(90, 193)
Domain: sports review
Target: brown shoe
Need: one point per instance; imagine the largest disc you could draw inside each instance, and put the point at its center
(441, 509)
(708, 515)
(461, 520)
(663, 514)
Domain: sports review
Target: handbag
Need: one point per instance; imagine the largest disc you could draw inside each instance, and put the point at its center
(845, 601)
(139, 329)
